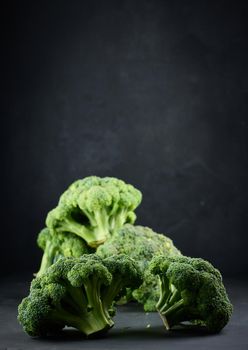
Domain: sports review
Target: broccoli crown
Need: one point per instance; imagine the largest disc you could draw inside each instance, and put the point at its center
(77, 292)
(191, 290)
(59, 244)
(140, 243)
(94, 208)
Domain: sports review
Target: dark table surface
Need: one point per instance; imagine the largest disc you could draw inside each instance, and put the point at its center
(133, 328)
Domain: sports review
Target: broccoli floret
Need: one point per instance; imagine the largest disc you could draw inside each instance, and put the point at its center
(191, 290)
(94, 208)
(140, 243)
(77, 292)
(61, 244)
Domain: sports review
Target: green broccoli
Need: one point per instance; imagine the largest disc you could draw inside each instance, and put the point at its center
(58, 245)
(140, 243)
(77, 292)
(94, 208)
(191, 290)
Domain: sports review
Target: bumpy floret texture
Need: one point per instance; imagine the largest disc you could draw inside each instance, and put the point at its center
(59, 244)
(140, 243)
(77, 292)
(94, 208)
(191, 290)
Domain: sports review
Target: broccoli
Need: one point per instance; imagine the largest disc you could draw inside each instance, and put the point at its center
(94, 208)
(191, 290)
(58, 245)
(140, 243)
(77, 292)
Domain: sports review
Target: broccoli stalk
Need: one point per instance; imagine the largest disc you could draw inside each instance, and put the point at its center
(73, 311)
(47, 258)
(171, 305)
(99, 222)
(64, 219)
(94, 318)
(126, 274)
(77, 292)
(119, 217)
(191, 290)
(47, 244)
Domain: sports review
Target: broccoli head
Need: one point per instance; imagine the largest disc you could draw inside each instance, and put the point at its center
(94, 208)
(77, 292)
(61, 244)
(140, 243)
(191, 290)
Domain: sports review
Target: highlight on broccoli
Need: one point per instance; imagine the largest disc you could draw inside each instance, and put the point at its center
(57, 245)
(77, 292)
(94, 208)
(140, 243)
(191, 290)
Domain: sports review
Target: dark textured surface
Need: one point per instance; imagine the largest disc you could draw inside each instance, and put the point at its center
(130, 331)
(154, 92)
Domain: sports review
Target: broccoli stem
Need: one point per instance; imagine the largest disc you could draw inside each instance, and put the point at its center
(93, 290)
(111, 292)
(100, 223)
(47, 258)
(179, 314)
(87, 322)
(99, 227)
(175, 311)
(84, 310)
(117, 220)
(114, 209)
(167, 309)
(92, 237)
(171, 305)
(70, 225)
(164, 292)
(77, 296)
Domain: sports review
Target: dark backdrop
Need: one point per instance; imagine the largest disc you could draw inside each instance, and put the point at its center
(153, 92)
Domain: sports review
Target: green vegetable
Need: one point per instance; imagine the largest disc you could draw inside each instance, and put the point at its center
(58, 245)
(77, 292)
(140, 243)
(94, 258)
(191, 290)
(94, 208)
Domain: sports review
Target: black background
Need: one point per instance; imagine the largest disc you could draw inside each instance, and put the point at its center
(154, 92)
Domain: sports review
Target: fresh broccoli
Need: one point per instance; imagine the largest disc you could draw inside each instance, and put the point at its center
(77, 292)
(140, 243)
(57, 245)
(94, 208)
(191, 290)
